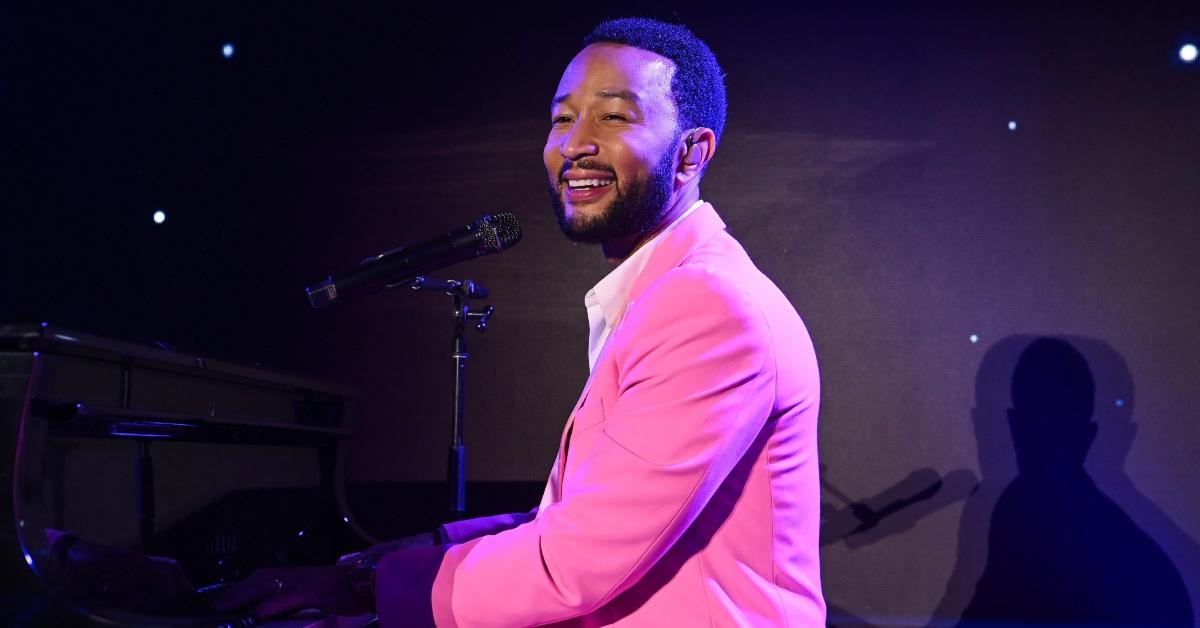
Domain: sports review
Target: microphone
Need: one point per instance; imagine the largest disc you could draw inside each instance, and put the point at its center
(491, 234)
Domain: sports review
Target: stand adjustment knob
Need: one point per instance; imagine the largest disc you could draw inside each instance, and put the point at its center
(482, 317)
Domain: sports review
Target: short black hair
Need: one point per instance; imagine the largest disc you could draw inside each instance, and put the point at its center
(698, 84)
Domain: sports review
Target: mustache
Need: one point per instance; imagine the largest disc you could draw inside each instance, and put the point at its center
(586, 164)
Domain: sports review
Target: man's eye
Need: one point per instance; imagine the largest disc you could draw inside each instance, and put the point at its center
(615, 116)
(561, 120)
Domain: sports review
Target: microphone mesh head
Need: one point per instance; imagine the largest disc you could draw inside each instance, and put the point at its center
(488, 240)
(508, 230)
(496, 232)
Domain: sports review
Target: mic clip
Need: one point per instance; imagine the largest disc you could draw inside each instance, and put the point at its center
(452, 287)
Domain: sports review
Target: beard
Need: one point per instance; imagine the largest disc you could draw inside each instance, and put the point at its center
(635, 209)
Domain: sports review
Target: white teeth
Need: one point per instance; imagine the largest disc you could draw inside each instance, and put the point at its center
(584, 183)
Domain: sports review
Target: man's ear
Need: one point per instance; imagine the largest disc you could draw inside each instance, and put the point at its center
(698, 148)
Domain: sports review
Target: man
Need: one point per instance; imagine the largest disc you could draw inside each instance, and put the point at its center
(685, 491)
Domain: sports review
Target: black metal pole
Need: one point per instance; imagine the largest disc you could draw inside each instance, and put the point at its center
(462, 292)
(457, 471)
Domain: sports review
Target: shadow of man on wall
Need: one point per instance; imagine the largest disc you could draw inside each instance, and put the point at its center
(1059, 550)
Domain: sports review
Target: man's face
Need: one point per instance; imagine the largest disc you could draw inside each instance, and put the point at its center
(610, 154)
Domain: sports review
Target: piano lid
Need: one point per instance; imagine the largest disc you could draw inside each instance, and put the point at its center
(49, 338)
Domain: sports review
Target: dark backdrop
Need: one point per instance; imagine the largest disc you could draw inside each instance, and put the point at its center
(868, 166)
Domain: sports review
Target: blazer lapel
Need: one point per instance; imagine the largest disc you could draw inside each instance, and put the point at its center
(553, 490)
(687, 236)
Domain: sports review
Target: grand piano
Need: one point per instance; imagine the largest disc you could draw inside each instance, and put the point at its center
(116, 453)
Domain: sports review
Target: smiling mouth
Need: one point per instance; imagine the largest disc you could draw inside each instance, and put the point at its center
(586, 184)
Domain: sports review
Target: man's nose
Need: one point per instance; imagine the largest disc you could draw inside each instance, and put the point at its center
(579, 142)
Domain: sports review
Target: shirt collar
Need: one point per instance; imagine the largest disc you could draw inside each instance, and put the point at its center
(612, 292)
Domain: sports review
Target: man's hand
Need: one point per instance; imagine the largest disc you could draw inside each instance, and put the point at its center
(279, 590)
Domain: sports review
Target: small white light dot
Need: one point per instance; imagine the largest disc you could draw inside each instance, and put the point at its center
(160, 217)
(29, 559)
(227, 51)
(301, 533)
(974, 338)
(1120, 403)
(1187, 53)
(1012, 125)
(346, 519)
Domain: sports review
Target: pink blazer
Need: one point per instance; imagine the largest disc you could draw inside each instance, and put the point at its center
(686, 492)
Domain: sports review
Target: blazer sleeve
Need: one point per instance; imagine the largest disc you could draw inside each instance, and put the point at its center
(695, 388)
(456, 532)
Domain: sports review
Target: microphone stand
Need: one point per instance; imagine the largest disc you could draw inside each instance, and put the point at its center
(461, 291)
